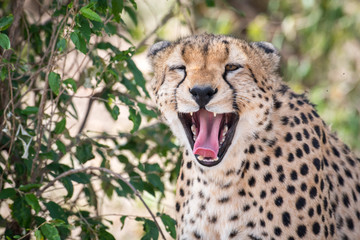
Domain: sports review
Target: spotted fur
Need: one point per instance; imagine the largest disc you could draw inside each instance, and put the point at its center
(285, 175)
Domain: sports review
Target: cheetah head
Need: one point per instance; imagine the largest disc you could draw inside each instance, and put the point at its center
(214, 91)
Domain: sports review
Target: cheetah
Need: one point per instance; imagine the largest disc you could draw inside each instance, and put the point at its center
(258, 162)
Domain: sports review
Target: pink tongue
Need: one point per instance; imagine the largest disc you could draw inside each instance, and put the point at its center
(207, 142)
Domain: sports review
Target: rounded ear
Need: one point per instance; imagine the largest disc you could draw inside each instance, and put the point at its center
(266, 47)
(158, 47)
(269, 54)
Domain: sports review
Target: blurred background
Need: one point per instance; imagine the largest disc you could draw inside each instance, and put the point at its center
(110, 121)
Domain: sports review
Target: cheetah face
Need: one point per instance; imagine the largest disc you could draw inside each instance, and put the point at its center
(207, 92)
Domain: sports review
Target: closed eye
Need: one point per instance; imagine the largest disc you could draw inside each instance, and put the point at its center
(177, 67)
(232, 67)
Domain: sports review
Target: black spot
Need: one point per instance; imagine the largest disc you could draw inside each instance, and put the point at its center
(266, 160)
(269, 127)
(270, 216)
(246, 208)
(299, 153)
(277, 231)
(290, 157)
(350, 161)
(316, 228)
(250, 224)
(306, 148)
(188, 165)
(291, 189)
(252, 181)
(197, 235)
(224, 200)
(311, 212)
(293, 175)
(233, 233)
(313, 192)
(284, 120)
(273, 190)
(304, 170)
(288, 137)
(335, 152)
(251, 149)
(315, 143)
(298, 136)
(306, 133)
(278, 152)
(341, 180)
(286, 219)
(303, 187)
(267, 177)
(177, 207)
(303, 118)
(316, 163)
(256, 166)
(242, 192)
(296, 120)
(332, 229)
(277, 104)
(317, 130)
(345, 200)
(181, 192)
(213, 219)
(282, 177)
(350, 223)
(300, 203)
(262, 194)
(301, 231)
(234, 218)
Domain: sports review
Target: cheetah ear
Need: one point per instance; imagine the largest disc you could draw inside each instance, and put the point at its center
(269, 54)
(158, 47)
(267, 47)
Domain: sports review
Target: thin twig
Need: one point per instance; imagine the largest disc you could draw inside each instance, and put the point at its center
(114, 174)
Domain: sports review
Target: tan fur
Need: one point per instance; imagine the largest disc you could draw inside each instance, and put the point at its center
(267, 186)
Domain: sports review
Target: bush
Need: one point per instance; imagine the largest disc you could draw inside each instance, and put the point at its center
(40, 153)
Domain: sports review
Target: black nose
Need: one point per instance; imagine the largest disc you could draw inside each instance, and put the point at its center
(202, 95)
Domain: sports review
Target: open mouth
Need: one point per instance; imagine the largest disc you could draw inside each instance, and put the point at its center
(209, 134)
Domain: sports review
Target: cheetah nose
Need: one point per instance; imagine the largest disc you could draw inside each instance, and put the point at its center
(202, 94)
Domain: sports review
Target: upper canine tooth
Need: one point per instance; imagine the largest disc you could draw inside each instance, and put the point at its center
(214, 114)
(200, 157)
(191, 113)
(193, 129)
(226, 128)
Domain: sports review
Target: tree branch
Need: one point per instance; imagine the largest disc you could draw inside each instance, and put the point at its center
(115, 175)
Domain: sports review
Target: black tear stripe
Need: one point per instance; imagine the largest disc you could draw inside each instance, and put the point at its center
(175, 90)
(235, 105)
(252, 75)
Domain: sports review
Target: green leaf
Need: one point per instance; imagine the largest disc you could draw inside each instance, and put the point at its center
(61, 45)
(146, 111)
(155, 181)
(104, 235)
(79, 42)
(84, 152)
(169, 224)
(150, 229)
(90, 14)
(50, 232)
(29, 187)
(61, 146)
(115, 112)
(139, 78)
(132, 14)
(133, 4)
(56, 212)
(68, 186)
(210, 3)
(5, 22)
(21, 212)
(117, 7)
(54, 82)
(122, 220)
(31, 199)
(30, 110)
(72, 83)
(135, 118)
(7, 193)
(60, 126)
(38, 235)
(4, 41)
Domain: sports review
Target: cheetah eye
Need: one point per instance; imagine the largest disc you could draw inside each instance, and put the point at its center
(177, 67)
(232, 67)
